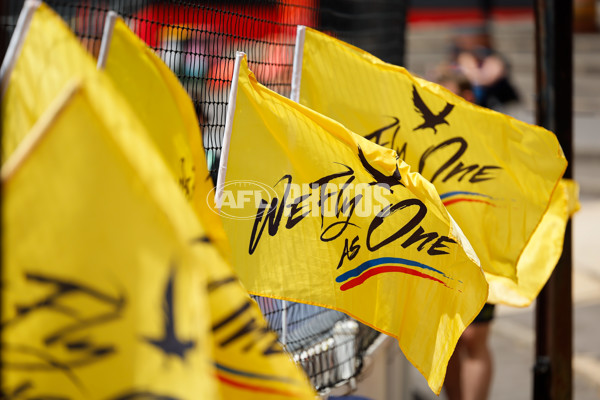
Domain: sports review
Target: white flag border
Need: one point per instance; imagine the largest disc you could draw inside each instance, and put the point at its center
(297, 67)
(107, 34)
(16, 42)
(220, 187)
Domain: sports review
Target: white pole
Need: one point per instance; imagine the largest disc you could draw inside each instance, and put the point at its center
(16, 42)
(284, 324)
(294, 96)
(228, 128)
(109, 27)
(297, 69)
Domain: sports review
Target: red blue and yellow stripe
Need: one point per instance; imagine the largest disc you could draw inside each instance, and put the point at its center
(450, 198)
(231, 377)
(368, 269)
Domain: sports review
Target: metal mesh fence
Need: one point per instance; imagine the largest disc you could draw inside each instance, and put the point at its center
(327, 344)
(198, 41)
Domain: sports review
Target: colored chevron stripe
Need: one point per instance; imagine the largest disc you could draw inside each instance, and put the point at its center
(384, 260)
(381, 265)
(450, 198)
(383, 269)
(255, 388)
(254, 375)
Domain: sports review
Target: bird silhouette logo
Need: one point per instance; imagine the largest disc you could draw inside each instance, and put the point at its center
(380, 178)
(169, 343)
(430, 120)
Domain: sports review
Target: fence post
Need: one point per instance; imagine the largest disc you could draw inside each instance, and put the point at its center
(554, 89)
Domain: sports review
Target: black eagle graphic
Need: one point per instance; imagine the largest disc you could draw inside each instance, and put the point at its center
(430, 120)
(380, 178)
(169, 343)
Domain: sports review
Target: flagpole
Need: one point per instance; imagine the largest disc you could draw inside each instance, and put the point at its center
(283, 338)
(228, 128)
(297, 69)
(109, 27)
(294, 96)
(553, 368)
(16, 42)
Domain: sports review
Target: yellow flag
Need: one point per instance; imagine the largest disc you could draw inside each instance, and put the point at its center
(249, 360)
(495, 174)
(319, 215)
(103, 297)
(548, 240)
(246, 359)
(50, 56)
(155, 94)
(140, 234)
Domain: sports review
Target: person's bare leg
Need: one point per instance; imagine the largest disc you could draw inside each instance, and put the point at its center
(477, 363)
(452, 382)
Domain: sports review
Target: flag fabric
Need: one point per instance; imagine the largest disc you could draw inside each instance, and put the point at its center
(250, 362)
(547, 239)
(103, 297)
(50, 56)
(125, 244)
(76, 309)
(495, 174)
(319, 215)
(156, 96)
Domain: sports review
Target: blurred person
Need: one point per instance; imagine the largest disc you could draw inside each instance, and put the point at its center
(469, 373)
(455, 81)
(486, 69)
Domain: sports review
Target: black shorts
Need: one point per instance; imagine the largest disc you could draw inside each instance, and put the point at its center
(486, 314)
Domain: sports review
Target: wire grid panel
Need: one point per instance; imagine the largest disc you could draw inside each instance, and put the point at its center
(326, 343)
(198, 41)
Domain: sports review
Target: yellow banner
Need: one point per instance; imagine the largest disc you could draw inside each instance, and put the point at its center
(250, 362)
(50, 56)
(548, 240)
(495, 174)
(319, 215)
(244, 355)
(156, 96)
(103, 297)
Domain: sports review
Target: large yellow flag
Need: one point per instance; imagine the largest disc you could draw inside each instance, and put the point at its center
(155, 94)
(50, 56)
(103, 297)
(547, 239)
(248, 360)
(105, 272)
(495, 174)
(319, 215)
